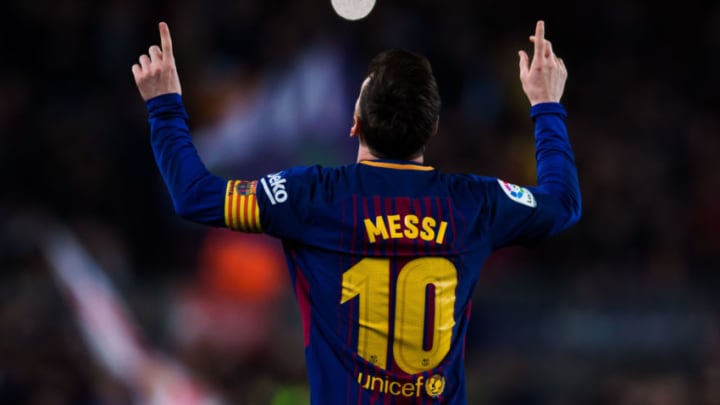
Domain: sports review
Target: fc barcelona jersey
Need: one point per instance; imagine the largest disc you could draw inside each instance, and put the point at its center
(383, 255)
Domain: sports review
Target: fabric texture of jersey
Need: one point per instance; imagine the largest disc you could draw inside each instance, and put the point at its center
(383, 255)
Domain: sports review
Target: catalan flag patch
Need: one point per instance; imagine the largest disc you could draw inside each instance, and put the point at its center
(242, 212)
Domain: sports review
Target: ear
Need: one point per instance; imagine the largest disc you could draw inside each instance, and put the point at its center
(355, 130)
(437, 127)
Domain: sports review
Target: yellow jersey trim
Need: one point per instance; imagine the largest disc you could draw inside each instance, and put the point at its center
(398, 166)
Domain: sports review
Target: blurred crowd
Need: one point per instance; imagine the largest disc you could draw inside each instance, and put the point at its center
(619, 310)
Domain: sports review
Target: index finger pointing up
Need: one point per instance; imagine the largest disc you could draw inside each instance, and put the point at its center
(165, 40)
(539, 38)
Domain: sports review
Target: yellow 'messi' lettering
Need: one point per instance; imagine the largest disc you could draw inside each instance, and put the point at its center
(405, 226)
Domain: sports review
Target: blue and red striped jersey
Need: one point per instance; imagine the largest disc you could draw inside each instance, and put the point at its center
(383, 255)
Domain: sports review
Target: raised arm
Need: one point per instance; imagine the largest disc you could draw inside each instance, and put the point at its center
(528, 214)
(197, 194)
(543, 81)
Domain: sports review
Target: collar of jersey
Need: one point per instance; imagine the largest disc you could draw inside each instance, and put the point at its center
(397, 164)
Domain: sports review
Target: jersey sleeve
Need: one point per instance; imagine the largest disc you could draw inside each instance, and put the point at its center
(523, 215)
(277, 204)
(197, 194)
(285, 201)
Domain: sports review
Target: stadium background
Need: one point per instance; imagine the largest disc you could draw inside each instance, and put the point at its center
(622, 309)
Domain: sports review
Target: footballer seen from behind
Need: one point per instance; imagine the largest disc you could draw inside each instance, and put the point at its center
(384, 253)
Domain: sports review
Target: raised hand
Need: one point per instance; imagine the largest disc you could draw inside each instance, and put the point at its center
(543, 79)
(156, 74)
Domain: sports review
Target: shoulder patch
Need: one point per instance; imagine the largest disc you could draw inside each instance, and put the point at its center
(520, 195)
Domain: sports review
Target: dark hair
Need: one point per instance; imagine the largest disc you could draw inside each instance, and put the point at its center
(400, 105)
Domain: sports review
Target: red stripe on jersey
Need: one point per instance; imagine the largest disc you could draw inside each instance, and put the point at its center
(378, 211)
(366, 214)
(237, 205)
(429, 317)
(441, 217)
(351, 321)
(418, 211)
(428, 212)
(467, 319)
(302, 291)
(341, 264)
(451, 217)
(245, 207)
(355, 222)
(248, 218)
(229, 197)
(402, 208)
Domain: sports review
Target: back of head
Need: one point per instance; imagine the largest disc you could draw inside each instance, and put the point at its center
(400, 105)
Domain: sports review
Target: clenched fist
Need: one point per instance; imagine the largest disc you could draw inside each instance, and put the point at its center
(543, 79)
(156, 74)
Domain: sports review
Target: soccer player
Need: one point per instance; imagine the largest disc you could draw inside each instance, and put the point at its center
(384, 254)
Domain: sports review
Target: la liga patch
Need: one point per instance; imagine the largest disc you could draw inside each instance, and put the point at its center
(520, 195)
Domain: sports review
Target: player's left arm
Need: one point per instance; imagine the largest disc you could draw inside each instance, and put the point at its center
(527, 214)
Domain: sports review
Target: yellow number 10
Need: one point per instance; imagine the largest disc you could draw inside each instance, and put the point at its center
(370, 280)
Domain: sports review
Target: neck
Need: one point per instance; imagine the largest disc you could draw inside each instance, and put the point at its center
(365, 154)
